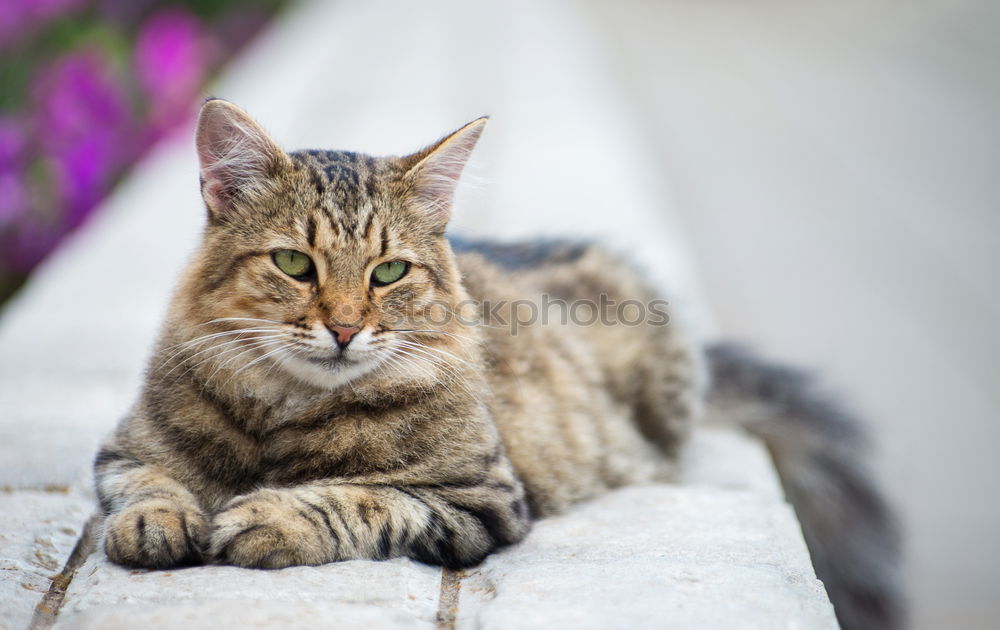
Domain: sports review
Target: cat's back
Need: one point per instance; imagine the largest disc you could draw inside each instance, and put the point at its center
(574, 376)
(568, 270)
(534, 298)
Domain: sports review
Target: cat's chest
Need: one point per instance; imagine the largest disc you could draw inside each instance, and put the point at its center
(233, 449)
(331, 445)
(321, 447)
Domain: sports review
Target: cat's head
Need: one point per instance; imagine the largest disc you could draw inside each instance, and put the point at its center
(326, 266)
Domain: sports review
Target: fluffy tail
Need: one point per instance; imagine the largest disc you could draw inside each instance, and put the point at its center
(819, 451)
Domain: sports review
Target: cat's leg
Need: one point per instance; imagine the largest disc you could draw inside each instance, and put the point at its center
(151, 520)
(327, 521)
(666, 387)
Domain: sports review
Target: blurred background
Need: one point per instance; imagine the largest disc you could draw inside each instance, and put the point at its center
(86, 88)
(819, 180)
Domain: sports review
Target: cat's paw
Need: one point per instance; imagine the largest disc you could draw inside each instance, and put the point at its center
(156, 534)
(270, 529)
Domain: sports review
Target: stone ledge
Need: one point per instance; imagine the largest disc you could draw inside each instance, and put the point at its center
(653, 557)
(243, 613)
(38, 530)
(719, 550)
(390, 594)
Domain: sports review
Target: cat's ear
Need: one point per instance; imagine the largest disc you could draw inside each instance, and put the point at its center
(434, 172)
(239, 161)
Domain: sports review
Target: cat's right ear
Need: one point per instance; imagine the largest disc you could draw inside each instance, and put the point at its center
(433, 172)
(239, 161)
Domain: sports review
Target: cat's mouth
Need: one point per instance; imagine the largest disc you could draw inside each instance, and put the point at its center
(331, 363)
(329, 370)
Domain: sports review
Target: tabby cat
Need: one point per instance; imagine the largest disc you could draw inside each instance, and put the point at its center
(337, 379)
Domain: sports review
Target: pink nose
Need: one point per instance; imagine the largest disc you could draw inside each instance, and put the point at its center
(343, 334)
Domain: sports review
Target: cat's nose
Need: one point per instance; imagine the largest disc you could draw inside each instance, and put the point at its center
(343, 334)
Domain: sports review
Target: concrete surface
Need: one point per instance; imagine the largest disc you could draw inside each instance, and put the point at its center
(38, 530)
(357, 594)
(720, 550)
(653, 557)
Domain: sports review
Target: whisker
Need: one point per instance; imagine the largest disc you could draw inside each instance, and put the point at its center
(457, 376)
(187, 344)
(414, 362)
(244, 348)
(436, 360)
(263, 346)
(281, 361)
(428, 331)
(217, 346)
(419, 346)
(255, 361)
(480, 342)
(248, 349)
(241, 319)
(478, 324)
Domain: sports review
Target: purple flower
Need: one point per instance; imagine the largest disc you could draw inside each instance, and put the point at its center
(83, 125)
(12, 141)
(76, 97)
(83, 172)
(28, 245)
(19, 17)
(13, 196)
(170, 62)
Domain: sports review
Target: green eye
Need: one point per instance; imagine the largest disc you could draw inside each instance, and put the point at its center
(296, 264)
(389, 272)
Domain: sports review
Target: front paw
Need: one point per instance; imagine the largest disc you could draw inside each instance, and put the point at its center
(156, 534)
(270, 529)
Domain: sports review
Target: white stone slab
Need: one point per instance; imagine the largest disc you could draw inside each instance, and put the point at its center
(727, 458)
(38, 530)
(654, 557)
(357, 594)
(52, 425)
(243, 614)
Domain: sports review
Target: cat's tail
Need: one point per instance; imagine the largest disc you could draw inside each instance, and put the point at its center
(820, 453)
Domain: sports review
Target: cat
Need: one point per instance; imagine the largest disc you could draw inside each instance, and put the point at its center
(338, 379)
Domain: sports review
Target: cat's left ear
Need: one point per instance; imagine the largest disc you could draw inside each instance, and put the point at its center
(239, 161)
(435, 172)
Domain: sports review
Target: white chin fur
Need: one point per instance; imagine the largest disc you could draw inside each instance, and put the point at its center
(336, 375)
(336, 372)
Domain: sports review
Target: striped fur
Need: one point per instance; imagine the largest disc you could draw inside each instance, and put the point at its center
(257, 442)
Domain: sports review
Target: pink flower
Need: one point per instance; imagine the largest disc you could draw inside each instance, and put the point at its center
(82, 122)
(26, 246)
(76, 97)
(83, 172)
(170, 62)
(13, 196)
(18, 18)
(12, 141)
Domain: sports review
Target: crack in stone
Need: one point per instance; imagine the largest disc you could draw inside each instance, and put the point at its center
(49, 488)
(52, 601)
(451, 585)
